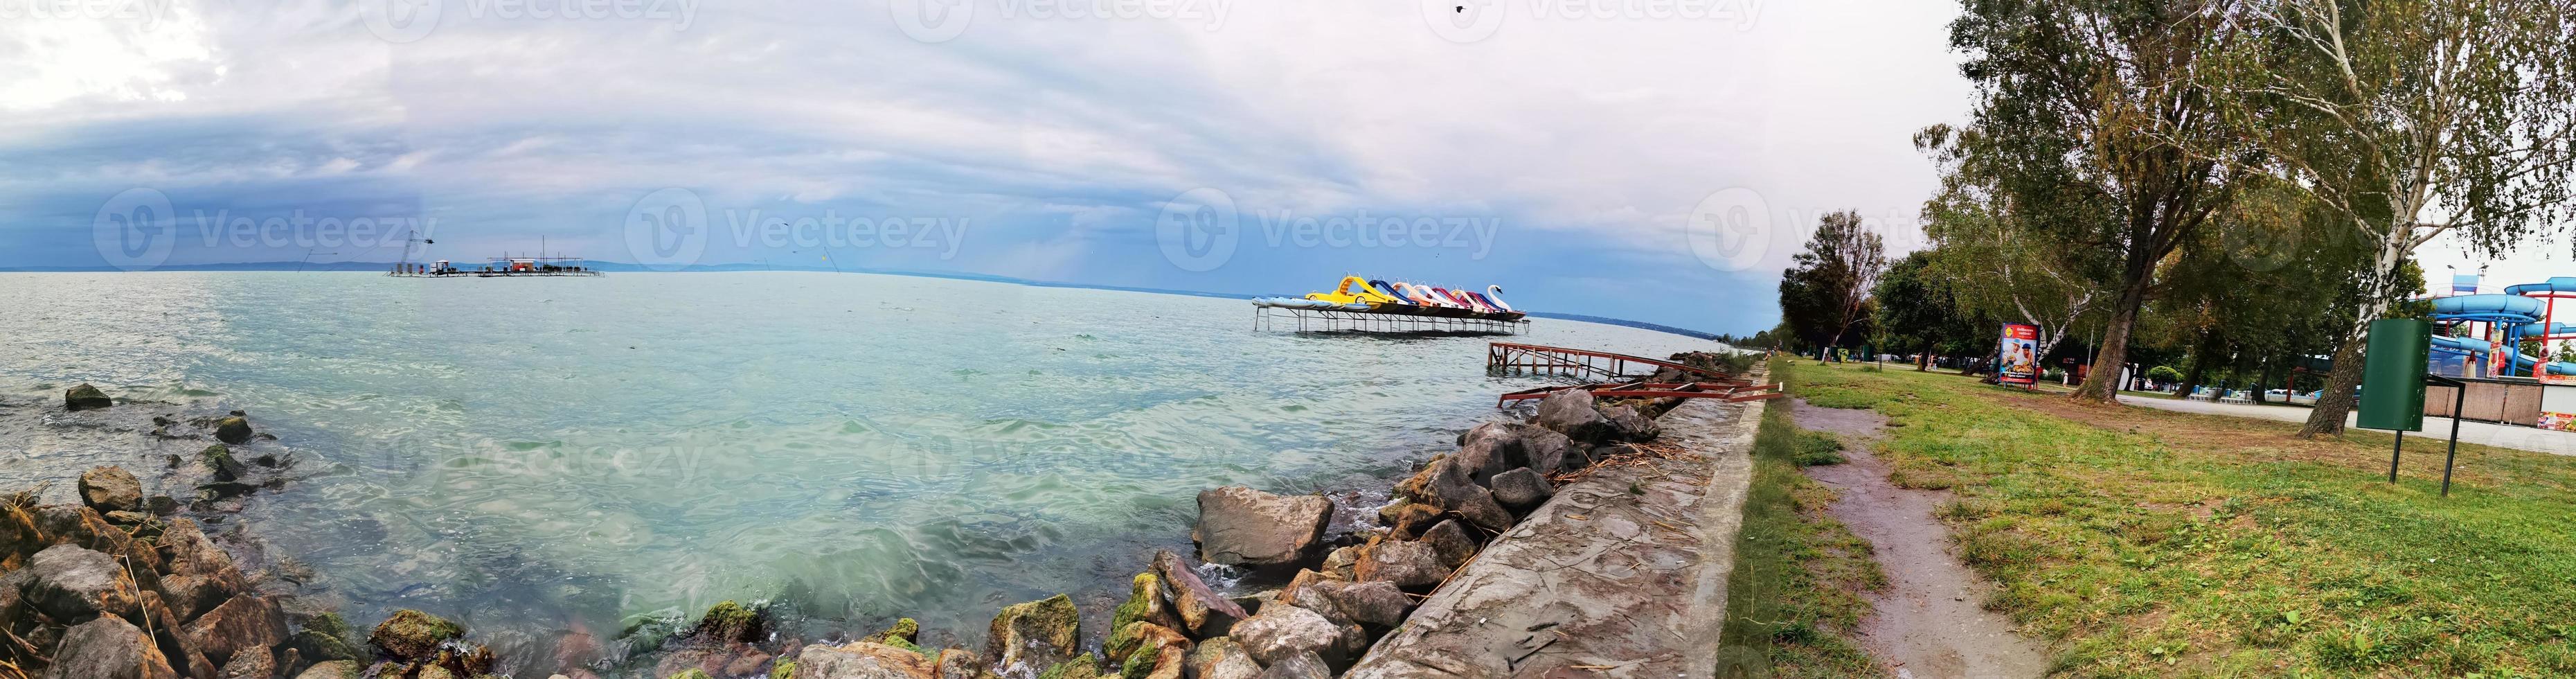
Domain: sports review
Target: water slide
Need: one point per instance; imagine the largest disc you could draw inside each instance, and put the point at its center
(2519, 315)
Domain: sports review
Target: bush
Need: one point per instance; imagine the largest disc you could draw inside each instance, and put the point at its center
(2165, 374)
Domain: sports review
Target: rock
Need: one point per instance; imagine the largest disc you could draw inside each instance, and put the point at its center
(84, 527)
(1522, 490)
(747, 664)
(1549, 452)
(1145, 604)
(1312, 598)
(1202, 611)
(959, 663)
(325, 638)
(1280, 631)
(164, 629)
(201, 574)
(334, 669)
(136, 519)
(730, 621)
(437, 672)
(1149, 649)
(250, 663)
(111, 489)
(162, 505)
(1571, 412)
(1033, 635)
(1221, 658)
(219, 462)
(1409, 565)
(71, 585)
(1449, 489)
(1451, 542)
(1339, 561)
(85, 397)
(108, 648)
(1239, 526)
(1288, 594)
(413, 635)
(1626, 424)
(1489, 449)
(1080, 667)
(244, 623)
(1306, 665)
(1376, 603)
(234, 430)
(1408, 519)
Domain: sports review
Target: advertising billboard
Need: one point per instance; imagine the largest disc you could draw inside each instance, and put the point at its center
(2019, 361)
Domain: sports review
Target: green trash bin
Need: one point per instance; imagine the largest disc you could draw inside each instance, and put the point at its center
(2392, 377)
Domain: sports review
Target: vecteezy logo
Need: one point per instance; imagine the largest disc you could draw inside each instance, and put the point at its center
(932, 21)
(1730, 230)
(134, 229)
(1198, 229)
(667, 229)
(1463, 21)
(400, 21)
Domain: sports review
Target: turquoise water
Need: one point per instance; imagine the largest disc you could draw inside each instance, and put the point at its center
(550, 454)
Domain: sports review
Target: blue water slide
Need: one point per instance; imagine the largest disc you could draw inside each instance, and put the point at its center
(2519, 315)
(2522, 363)
(2555, 284)
(2461, 345)
(2514, 309)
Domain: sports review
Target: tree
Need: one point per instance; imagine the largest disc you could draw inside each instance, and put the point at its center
(2100, 101)
(1998, 263)
(1918, 314)
(1825, 293)
(2410, 119)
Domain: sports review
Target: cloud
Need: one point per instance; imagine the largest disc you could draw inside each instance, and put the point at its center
(1589, 139)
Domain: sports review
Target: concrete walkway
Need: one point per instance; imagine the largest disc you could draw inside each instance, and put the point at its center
(1622, 574)
(2483, 433)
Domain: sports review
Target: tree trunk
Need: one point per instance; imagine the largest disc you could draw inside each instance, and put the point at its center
(2103, 386)
(2336, 400)
(1923, 361)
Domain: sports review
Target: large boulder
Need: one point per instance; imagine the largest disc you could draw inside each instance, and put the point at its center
(234, 430)
(1571, 412)
(1626, 424)
(82, 526)
(111, 489)
(108, 648)
(1376, 603)
(1029, 637)
(863, 660)
(201, 574)
(1307, 665)
(1203, 613)
(1239, 526)
(325, 638)
(1448, 488)
(1489, 449)
(85, 397)
(250, 663)
(72, 585)
(413, 635)
(1222, 658)
(1522, 490)
(959, 663)
(332, 669)
(1549, 452)
(244, 623)
(1151, 651)
(1281, 631)
(1407, 565)
(1451, 542)
(728, 621)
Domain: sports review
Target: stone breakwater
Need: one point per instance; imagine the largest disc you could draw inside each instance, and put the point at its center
(126, 584)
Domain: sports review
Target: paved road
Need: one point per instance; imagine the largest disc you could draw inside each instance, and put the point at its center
(2501, 436)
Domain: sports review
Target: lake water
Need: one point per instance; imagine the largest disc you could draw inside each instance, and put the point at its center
(535, 455)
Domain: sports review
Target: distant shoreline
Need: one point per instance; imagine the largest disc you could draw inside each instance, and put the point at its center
(618, 267)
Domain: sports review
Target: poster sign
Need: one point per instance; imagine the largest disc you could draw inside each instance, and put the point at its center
(2019, 363)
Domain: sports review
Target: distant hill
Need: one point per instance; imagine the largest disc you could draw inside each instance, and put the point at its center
(622, 267)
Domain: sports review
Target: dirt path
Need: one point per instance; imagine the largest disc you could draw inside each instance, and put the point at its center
(1928, 622)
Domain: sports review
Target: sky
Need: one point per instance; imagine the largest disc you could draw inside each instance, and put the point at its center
(1657, 160)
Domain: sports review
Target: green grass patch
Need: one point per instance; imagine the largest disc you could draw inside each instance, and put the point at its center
(1795, 595)
(2140, 542)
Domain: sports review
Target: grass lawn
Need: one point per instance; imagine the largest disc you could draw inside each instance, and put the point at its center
(2142, 542)
(1795, 594)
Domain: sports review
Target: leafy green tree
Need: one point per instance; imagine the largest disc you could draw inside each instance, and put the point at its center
(2099, 103)
(1918, 314)
(2409, 119)
(1825, 294)
(1998, 262)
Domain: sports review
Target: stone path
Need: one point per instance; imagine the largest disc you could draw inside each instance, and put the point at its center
(1623, 574)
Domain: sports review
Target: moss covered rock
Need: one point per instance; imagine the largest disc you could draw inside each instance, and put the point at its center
(234, 430)
(785, 668)
(1036, 634)
(85, 397)
(325, 638)
(1078, 667)
(730, 621)
(691, 673)
(413, 635)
